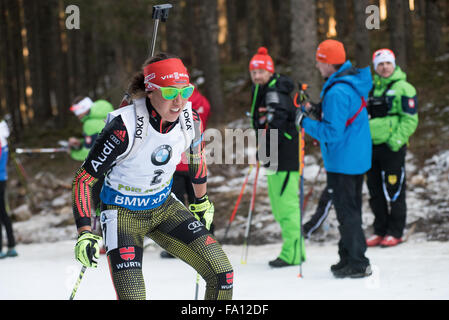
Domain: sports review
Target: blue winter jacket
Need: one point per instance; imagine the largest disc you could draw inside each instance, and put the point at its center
(3, 163)
(346, 148)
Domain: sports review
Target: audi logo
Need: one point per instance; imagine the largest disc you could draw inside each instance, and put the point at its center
(194, 225)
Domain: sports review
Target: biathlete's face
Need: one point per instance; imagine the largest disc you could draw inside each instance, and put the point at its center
(385, 69)
(260, 76)
(170, 106)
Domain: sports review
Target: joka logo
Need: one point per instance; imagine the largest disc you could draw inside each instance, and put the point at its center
(139, 127)
(209, 240)
(127, 253)
(121, 134)
(161, 155)
(230, 277)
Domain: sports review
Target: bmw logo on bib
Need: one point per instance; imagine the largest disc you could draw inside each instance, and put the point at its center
(161, 155)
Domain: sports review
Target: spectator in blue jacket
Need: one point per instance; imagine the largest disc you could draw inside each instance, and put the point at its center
(344, 135)
(4, 218)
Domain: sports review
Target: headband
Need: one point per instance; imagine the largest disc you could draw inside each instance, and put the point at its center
(165, 73)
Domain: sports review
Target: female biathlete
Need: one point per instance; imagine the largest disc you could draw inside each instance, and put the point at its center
(138, 151)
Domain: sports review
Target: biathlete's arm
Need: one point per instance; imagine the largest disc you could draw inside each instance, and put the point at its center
(111, 143)
(197, 159)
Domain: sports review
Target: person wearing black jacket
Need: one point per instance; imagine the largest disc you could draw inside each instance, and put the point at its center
(273, 108)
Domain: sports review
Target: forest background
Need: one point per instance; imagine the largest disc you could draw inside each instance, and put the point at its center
(45, 64)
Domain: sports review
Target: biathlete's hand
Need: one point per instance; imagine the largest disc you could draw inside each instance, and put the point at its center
(203, 210)
(87, 249)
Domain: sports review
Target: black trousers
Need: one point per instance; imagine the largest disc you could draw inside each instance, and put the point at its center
(346, 191)
(4, 219)
(386, 184)
(321, 213)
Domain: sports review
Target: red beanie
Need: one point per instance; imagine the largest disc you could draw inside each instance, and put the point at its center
(261, 60)
(331, 52)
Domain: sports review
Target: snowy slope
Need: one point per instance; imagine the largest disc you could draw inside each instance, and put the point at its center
(413, 270)
(418, 269)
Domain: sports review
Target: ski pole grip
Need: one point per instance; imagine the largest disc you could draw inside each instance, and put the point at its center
(160, 12)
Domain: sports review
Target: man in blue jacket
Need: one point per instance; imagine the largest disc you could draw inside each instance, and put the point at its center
(344, 135)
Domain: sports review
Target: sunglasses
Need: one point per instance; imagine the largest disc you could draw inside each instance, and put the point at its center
(170, 93)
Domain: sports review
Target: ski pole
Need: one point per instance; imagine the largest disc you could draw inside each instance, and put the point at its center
(248, 225)
(78, 281)
(301, 193)
(234, 211)
(40, 150)
(160, 13)
(197, 285)
(303, 96)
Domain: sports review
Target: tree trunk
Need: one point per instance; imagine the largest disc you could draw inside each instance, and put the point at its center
(409, 39)
(396, 26)
(304, 45)
(341, 19)
(254, 36)
(210, 59)
(433, 28)
(233, 35)
(61, 77)
(175, 24)
(361, 34)
(12, 37)
(322, 18)
(283, 30)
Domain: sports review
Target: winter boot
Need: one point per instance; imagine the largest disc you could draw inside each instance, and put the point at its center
(11, 252)
(374, 240)
(278, 263)
(351, 272)
(390, 241)
(341, 264)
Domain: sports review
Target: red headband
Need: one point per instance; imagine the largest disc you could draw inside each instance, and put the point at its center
(164, 73)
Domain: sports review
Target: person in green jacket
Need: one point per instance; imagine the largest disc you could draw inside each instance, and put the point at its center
(93, 116)
(392, 107)
(273, 108)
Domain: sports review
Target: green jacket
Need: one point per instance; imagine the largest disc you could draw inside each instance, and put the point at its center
(93, 124)
(396, 128)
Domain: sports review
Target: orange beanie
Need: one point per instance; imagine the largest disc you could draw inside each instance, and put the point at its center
(261, 60)
(331, 52)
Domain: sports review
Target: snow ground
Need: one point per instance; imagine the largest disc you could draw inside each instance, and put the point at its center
(413, 270)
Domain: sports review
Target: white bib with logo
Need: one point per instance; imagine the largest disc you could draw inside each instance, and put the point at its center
(142, 178)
